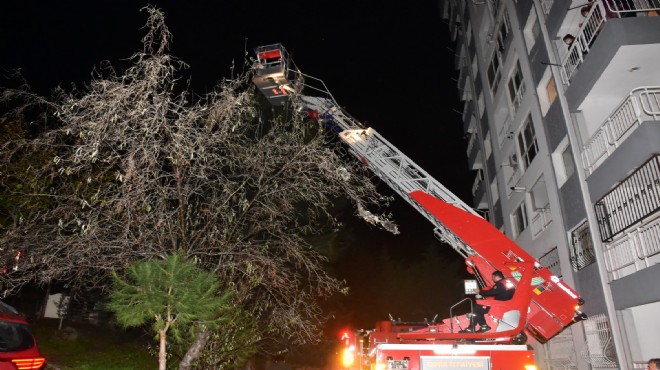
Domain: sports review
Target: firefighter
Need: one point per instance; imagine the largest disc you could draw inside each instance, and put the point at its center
(500, 292)
(653, 364)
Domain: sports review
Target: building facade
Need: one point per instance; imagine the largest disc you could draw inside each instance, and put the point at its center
(562, 117)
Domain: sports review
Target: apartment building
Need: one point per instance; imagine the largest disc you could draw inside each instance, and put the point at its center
(562, 117)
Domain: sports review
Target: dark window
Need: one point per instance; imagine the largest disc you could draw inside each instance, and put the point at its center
(527, 143)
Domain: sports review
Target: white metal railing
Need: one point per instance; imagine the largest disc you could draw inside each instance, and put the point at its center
(632, 200)
(551, 261)
(583, 40)
(504, 132)
(541, 220)
(642, 104)
(518, 96)
(625, 7)
(599, 349)
(633, 251)
(560, 351)
(598, 13)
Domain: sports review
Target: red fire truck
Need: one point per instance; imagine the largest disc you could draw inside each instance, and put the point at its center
(542, 305)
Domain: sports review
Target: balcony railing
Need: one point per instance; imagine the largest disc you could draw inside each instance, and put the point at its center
(634, 199)
(560, 351)
(626, 7)
(599, 12)
(583, 40)
(541, 220)
(634, 250)
(504, 132)
(642, 104)
(599, 351)
(517, 97)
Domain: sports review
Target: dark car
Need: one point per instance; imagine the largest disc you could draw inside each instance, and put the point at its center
(18, 348)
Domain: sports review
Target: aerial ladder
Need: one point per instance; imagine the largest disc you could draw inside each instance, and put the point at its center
(543, 305)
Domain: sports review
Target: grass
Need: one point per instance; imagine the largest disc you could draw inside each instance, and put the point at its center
(96, 347)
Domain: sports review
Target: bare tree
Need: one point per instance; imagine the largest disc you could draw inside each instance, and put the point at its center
(141, 171)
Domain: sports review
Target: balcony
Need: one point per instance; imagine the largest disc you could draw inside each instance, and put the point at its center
(634, 199)
(623, 56)
(601, 12)
(642, 104)
(633, 251)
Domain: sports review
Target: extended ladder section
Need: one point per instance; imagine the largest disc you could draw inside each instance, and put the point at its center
(553, 305)
(392, 166)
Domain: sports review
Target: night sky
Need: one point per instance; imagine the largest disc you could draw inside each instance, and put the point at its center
(389, 63)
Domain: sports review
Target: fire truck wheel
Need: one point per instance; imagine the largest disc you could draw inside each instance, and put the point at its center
(520, 338)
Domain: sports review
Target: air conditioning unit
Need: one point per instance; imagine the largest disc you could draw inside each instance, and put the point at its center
(513, 160)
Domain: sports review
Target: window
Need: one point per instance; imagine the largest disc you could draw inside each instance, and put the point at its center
(551, 90)
(527, 143)
(503, 32)
(468, 34)
(487, 148)
(494, 191)
(562, 161)
(546, 91)
(519, 219)
(567, 160)
(539, 195)
(546, 5)
(494, 72)
(598, 335)
(516, 87)
(540, 206)
(551, 261)
(582, 247)
(532, 29)
(494, 6)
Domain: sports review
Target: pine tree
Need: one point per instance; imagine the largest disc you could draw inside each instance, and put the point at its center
(173, 293)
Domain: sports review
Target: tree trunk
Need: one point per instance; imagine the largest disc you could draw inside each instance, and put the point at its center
(162, 354)
(195, 349)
